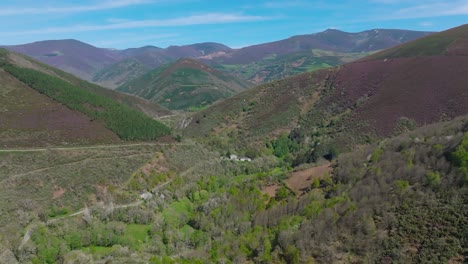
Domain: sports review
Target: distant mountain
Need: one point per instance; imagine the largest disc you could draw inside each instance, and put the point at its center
(43, 106)
(257, 63)
(75, 57)
(329, 40)
(416, 83)
(184, 84)
(140, 60)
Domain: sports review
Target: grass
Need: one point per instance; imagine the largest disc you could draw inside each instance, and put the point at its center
(177, 212)
(136, 234)
(98, 250)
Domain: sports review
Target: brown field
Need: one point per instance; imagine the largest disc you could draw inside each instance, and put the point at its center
(298, 181)
(270, 190)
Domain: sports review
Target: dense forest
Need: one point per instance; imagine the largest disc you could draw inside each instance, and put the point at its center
(127, 123)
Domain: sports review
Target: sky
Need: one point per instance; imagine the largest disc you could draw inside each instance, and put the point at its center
(237, 23)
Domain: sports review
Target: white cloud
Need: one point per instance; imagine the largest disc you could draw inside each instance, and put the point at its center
(111, 4)
(430, 9)
(434, 9)
(132, 38)
(204, 19)
(284, 4)
(426, 24)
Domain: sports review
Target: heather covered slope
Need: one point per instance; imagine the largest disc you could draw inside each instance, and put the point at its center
(184, 84)
(423, 80)
(31, 119)
(40, 109)
(451, 43)
(346, 105)
(142, 105)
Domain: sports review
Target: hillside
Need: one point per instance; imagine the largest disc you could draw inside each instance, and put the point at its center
(134, 102)
(40, 109)
(277, 67)
(75, 57)
(350, 104)
(138, 61)
(401, 200)
(184, 84)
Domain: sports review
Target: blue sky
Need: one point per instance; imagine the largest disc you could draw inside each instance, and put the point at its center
(236, 23)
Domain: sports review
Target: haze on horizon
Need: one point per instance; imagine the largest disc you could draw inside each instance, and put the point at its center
(134, 23)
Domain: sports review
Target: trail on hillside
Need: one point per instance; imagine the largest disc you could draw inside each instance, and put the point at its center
(12, 177)
(95, 147)
(29, 229)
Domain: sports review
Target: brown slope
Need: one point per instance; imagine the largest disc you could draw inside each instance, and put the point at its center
(369, 97)
(424, 89)
(452, 42)
(31, 119)
(424, 80)
(260, 113)
(149, 108)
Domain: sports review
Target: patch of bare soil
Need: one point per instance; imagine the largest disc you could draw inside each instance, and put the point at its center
(299, 181)
(298, 63)
(58, 192)
(157, 164)
(270, 190)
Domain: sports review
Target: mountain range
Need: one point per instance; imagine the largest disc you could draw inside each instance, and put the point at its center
(112, 68)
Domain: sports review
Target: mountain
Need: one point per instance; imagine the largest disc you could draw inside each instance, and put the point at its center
(44, 106)
(354, 103)
(257, 63)
(69, 55)
(184, 84)
(140, 60)
(330, 40)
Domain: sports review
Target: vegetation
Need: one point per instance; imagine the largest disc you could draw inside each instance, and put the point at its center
(374, 208)
(402, 199)
(184, 84)
(128, 124)
(278, 67)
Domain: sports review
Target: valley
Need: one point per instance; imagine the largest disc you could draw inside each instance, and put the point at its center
(331, 147)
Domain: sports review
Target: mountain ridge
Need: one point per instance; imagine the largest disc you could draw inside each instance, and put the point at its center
(101, 60)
